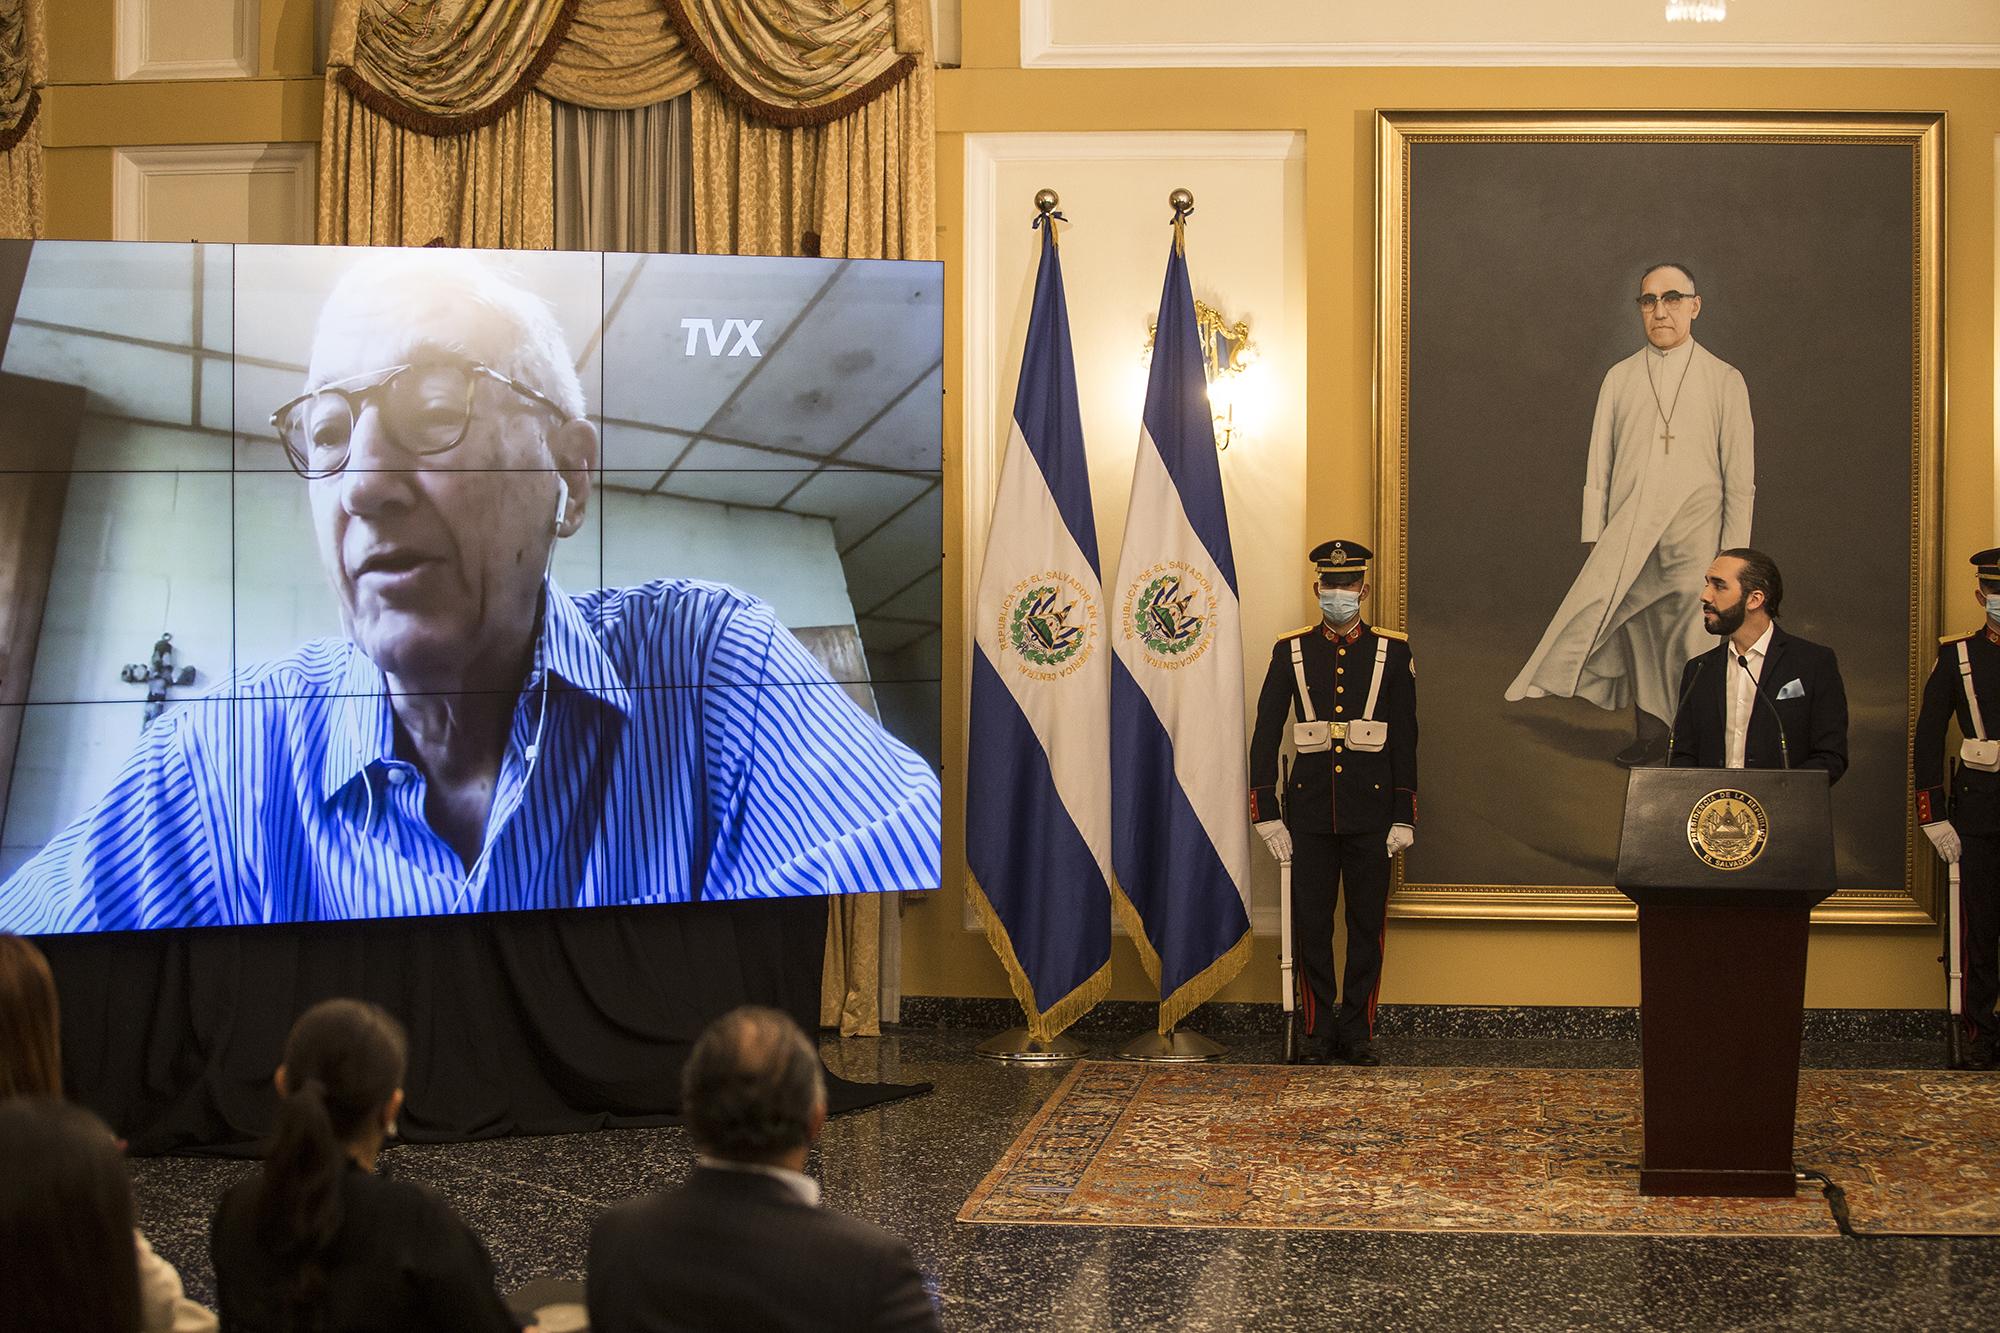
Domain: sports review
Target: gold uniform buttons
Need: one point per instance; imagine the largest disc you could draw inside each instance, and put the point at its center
(1336, 768)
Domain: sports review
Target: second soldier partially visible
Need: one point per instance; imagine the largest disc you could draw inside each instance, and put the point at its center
(1964, 826)
(1343, 693)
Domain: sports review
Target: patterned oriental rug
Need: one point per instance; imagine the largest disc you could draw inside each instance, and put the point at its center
(1472, 1150)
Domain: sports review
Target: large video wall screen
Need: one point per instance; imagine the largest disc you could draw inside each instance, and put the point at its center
(342, 584)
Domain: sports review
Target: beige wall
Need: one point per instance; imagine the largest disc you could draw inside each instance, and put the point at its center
(1431, 961)
(89, 114)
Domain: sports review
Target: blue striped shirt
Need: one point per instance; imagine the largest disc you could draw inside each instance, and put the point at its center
(693, 749)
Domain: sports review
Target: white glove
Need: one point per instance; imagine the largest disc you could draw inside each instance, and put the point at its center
(1276, 836)
(1401, 838)
(1945, 838)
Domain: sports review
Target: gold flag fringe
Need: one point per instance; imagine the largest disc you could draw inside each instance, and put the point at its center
(1135, 926)
(1197, 990)
(1044, 1025)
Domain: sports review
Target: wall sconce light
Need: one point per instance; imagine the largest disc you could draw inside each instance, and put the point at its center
(1229, 360)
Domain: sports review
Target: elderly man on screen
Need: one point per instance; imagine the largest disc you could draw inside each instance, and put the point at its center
(481, 740)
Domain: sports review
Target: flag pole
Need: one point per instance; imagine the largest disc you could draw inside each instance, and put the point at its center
(1016, 1045)
(1287, 987)
(1954, 975)
(1176, 1045)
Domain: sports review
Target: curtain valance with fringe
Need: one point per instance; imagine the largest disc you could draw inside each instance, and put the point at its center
(438, 122)
(449, 66)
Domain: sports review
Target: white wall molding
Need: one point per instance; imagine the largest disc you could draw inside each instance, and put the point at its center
(984, 154)
(1044, 47)
(230, 30)
(136, 215)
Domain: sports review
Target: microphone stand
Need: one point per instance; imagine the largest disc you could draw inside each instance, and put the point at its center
(1686, 690)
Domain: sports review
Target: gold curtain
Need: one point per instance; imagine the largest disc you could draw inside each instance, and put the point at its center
(437, 122)
(433, 129)
(24, 68)
(383, 184)
(860, 187)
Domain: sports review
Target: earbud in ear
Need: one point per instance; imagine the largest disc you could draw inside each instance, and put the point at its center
(562, 503)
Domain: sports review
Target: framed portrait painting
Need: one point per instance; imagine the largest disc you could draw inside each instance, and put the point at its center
(1610, 345)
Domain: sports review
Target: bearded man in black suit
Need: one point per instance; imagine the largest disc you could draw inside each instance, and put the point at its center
(1762, 698)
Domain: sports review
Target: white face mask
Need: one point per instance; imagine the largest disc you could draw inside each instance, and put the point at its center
(1340, 604)
(1993, 606)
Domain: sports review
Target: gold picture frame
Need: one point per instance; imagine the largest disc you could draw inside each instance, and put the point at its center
(1446, 174)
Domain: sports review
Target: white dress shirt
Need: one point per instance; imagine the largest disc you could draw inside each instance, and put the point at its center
(1736, 732)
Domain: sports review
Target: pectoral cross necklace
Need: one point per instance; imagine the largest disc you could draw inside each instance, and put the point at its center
(1666, 413)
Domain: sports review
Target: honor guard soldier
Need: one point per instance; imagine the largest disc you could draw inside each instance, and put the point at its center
(1965, 829)
(1343, 692)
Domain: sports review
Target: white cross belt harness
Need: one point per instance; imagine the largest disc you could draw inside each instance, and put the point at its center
(1975, 751)
(1311, 736)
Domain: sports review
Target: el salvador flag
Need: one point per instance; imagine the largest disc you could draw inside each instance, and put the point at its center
(1038, 804)
(1180, 845)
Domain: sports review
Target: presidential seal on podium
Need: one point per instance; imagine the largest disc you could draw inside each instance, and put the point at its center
(1728, 829)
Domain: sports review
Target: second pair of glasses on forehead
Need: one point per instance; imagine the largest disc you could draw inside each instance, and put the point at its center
(425, 407)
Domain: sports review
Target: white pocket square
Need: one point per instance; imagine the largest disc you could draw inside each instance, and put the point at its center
(1793, 690)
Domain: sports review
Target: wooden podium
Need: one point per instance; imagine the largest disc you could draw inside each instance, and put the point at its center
(1726, 866)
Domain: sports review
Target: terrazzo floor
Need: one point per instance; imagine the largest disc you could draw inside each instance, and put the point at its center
(910, 1165)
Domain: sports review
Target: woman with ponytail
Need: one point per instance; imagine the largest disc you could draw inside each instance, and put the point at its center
(317, 1242)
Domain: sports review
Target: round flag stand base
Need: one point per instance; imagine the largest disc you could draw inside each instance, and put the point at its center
(1015, 1046)
(1178, 1047)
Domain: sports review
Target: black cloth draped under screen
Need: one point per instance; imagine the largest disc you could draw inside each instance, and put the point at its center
(519, 1022)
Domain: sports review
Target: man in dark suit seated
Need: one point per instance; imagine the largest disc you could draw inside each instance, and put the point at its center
(1722, 721)
(744, 1243)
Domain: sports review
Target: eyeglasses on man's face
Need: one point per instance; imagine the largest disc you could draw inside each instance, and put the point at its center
(425, 407)
(1671, 300)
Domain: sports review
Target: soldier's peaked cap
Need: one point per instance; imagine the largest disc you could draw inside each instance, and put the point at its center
(1988, 563)
(1341, 557)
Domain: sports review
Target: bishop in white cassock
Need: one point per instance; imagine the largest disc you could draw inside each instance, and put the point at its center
(1670, 483)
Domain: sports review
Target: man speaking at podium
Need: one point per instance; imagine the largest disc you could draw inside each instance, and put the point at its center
(1763, 698)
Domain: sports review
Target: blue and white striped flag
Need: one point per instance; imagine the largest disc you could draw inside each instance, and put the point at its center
(1038, 803)
(1180, 844)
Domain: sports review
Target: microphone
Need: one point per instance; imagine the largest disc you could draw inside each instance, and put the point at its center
(1686, 690)
(1784, 750)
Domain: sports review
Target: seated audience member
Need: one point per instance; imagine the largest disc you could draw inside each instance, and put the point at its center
(31, 1066)
(65, 1222)
(317, 1240)
(743, 1244)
